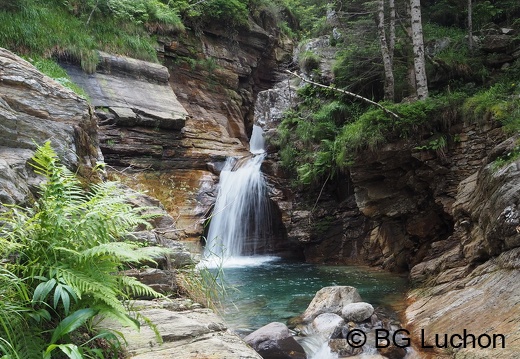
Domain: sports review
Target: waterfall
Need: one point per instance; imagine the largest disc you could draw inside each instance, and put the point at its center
(240, 223)
(257, 142)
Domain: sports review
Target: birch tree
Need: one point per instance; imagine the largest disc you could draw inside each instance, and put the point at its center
(470, 24)
(418, 50)
(387, 47)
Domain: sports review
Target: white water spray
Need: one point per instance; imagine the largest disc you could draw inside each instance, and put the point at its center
(257, 142)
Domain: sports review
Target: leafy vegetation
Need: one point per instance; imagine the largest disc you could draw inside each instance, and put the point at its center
(60, 260)
(323, 135)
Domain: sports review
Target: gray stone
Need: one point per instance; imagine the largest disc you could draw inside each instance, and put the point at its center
(326, 323)
(35, 109)
(357, 312)
(275, 341)
(125, 66)
(185, 334)
(330, 300)
(162, 281)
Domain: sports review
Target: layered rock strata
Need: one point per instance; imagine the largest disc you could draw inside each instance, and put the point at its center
(35, 109)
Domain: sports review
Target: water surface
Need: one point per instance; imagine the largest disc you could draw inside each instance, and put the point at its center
(278, 290)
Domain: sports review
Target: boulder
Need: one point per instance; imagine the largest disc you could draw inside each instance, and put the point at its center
(357, 312)
(330, 300)
(327, 323)
(275, 341)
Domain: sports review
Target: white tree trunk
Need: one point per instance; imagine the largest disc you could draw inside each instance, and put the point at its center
(418, 50)
(385, 51)
(470, 25)
(391, 28)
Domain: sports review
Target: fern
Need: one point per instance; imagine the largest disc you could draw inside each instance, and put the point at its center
(62, 261)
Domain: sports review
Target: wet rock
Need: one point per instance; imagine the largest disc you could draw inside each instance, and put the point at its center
(275, 341)
(393, 352)
(357, 312)
(343, 348)
(330, 300)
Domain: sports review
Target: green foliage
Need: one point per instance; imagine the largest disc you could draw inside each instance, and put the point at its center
(56, 72)
(317, 141)
(45, 29)
(308, 61)
(507, 158)
(500, 102)
(358, 68)
(61, 260)
(310, 15)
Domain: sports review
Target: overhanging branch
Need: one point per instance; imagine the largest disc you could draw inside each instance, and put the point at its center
(348, 93)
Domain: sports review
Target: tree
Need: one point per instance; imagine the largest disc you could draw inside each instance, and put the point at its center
(418, 50)
(387, 47)
(470, 25)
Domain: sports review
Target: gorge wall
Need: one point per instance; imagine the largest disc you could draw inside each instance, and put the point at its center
(169, 128)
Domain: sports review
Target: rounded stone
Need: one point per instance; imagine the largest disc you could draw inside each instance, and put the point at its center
(357, 312)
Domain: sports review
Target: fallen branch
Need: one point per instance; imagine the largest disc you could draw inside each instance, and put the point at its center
(346, 93)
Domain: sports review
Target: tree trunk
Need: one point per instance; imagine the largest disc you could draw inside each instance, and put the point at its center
(385, 51)
(391, 29)
(470, 25)
(418, 50)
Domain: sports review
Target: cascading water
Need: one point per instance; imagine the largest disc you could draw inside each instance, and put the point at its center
(240, 223)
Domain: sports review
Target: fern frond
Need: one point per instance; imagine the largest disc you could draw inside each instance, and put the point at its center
(137, 289)
(122, 251)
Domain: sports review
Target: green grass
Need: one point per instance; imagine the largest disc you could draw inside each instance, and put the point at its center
(47, 29)
(55, 71)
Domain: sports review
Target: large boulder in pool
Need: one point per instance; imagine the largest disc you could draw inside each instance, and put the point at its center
(275, 341)
(330, 300)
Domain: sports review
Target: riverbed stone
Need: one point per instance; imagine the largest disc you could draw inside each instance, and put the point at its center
(330, 300)
(326, 323)
(357, 312)
(275, 341)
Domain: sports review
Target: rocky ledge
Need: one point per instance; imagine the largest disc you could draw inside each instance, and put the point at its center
(186, 331)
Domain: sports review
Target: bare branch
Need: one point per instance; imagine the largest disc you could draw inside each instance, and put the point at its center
(348, 93)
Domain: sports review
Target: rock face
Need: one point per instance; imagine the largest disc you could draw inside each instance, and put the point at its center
(35, 109)
(481, 268)
(450, 218)
(183, 118)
